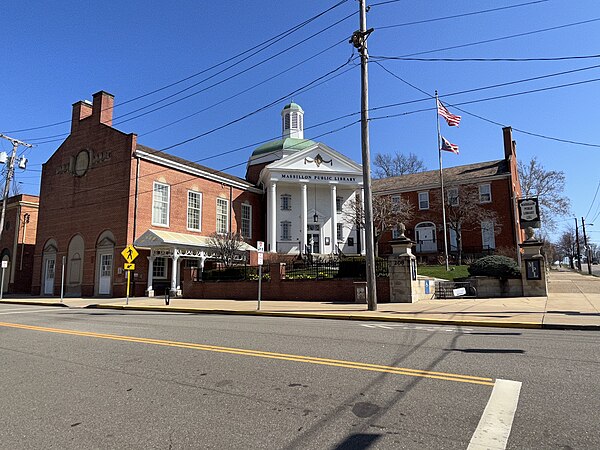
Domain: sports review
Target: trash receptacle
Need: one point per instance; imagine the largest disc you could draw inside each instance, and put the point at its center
(360, 292)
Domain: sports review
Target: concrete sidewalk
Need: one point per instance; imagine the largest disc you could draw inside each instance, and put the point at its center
(573, 303)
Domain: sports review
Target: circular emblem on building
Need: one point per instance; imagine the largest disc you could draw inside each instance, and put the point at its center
(82, 163)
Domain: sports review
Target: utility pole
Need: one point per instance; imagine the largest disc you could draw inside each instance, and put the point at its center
(10, 171)
(587, 251)
(359, 40)
(577, 243)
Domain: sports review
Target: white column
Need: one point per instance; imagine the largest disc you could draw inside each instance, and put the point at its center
(150, 289)
(333, 218)
(179, 274)
(303, 218)
(272, 235)
(174, 270)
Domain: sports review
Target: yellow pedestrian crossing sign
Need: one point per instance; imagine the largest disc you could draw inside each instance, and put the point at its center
(129, 266)
(129, 253)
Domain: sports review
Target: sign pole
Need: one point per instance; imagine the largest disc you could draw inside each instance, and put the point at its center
(62, 280)
(260, 246)
(127, 297)
(2, 285)
(259, 284)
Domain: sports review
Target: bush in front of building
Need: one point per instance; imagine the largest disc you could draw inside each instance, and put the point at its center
(495, 266)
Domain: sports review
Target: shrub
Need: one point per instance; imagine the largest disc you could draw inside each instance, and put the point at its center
(495, 266)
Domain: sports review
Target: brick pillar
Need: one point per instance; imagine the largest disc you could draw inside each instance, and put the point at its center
(533, 269)
(402, 268)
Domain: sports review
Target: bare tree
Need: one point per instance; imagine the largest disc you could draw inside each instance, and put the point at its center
(465, 213)
(567, 246)
(389, 211)
(548, 186)
(388, 165)
(226, 246)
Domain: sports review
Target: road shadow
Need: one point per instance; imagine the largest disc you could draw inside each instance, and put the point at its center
(358, 441)
(574, 313)
(485, 350)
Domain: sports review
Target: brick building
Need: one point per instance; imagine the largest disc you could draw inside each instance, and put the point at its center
(495, 184)
(101, 191)
(18, 242)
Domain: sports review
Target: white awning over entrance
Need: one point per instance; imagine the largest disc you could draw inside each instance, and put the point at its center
(187, 245)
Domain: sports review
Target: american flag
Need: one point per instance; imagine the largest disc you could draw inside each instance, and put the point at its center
(447, 146)
(452, 119)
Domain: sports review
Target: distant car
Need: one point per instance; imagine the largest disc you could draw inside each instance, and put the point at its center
(594, 260)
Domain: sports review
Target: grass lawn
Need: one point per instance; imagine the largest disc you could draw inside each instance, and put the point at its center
(440, 271)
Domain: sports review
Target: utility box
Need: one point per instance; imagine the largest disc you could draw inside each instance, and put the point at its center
(360, 292)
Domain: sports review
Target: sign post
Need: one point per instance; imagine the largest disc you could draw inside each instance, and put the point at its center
(62, 279)
(129, 253)
(4, 266)
(260, 246)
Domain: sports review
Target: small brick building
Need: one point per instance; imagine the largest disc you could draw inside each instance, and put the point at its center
(18, 242)
(101, 191)
(495, 183)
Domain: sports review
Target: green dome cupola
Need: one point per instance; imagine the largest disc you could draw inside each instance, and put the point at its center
(292, 121)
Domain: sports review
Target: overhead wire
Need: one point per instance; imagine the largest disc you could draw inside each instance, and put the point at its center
(271, 41)
(455, 16)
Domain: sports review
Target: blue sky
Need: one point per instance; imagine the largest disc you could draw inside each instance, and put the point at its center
(56, 53)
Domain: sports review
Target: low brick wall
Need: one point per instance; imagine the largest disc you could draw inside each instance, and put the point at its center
(488, 287)
(278, 288)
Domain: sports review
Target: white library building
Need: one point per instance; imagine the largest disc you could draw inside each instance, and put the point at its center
(311, 192)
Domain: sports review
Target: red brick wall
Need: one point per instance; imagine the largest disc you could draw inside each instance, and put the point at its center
(501, 204)
(283, 290)
(88, 204)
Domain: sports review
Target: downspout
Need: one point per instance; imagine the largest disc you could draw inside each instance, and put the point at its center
(230, 208)
(135, 208)
(13, 265)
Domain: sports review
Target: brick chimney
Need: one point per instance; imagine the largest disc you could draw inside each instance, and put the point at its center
(81, 110)
(510, 146)
(102, 109)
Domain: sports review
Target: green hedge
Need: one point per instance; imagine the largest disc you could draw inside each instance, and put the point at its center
(495, 266)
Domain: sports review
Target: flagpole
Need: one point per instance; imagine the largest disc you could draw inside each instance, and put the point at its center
(442, 181)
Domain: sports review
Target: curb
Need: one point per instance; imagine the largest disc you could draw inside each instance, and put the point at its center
(28, 302)
(364, 318)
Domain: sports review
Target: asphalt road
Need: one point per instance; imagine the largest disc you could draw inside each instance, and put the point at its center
(77, 378)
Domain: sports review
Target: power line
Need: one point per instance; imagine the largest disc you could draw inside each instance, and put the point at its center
(456, 105)
(487, 41)
(456, 16)
(593, 200)
(267, 43)
(555, 58)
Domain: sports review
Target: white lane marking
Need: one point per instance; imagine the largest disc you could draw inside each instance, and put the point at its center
(20, 311)
(416, 327)
(496, 422)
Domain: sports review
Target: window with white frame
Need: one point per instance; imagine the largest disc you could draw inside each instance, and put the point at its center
(294, 120)
(485, 193)
(488, 240)
(286, 202)
(395, 200)
(340, 232)
(395, 233)
(194, 210)
(452, 196)
(159, 268)
(287, 121)
(286, 230)
(423, 200)
(339, 203)
(160, 204)
(246, 220)
(222, 216)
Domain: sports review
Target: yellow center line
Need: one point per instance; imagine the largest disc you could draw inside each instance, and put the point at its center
(263, 354)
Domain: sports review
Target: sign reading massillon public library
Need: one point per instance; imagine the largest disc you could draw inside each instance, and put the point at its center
(310, 177)
(529, 212)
